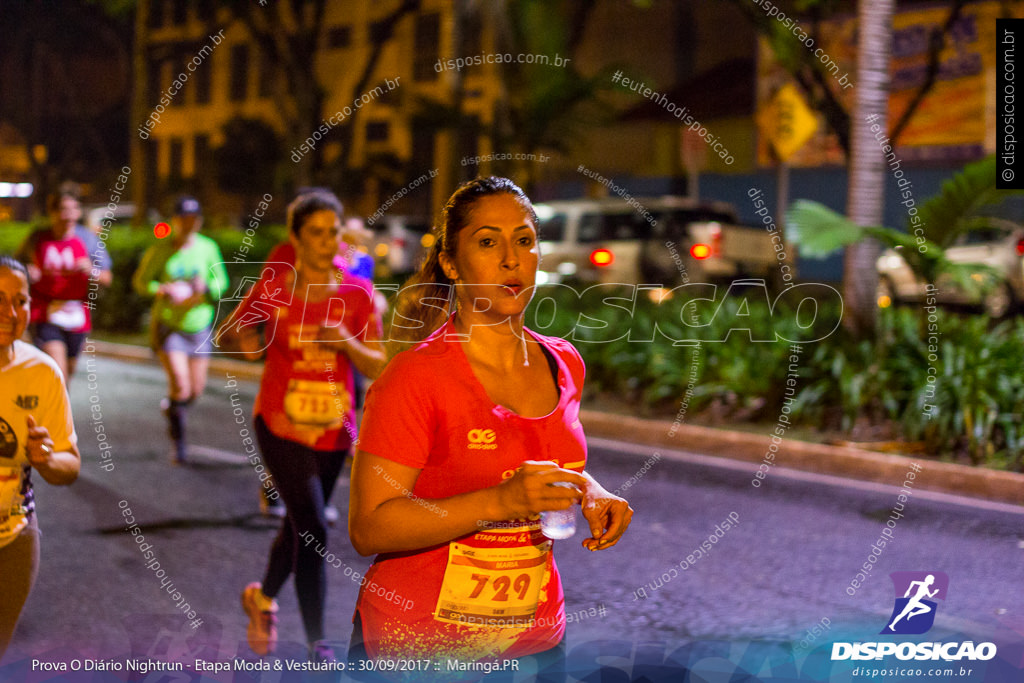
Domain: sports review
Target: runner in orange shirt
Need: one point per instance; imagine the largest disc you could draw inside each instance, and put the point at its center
(463, 437)
(319, 324)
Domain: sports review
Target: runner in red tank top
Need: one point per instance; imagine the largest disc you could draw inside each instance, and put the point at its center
(462, 439)
(59, 265)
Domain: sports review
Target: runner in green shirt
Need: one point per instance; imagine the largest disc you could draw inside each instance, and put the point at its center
(186, 275)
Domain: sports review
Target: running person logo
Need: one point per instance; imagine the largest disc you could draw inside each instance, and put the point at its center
(247, 283)
(481, 439)
(263, 311)
(914, 611)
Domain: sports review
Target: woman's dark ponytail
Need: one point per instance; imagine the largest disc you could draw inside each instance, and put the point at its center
(423, 303)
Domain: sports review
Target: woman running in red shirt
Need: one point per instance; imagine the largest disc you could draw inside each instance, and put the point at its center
(462, 439)
(317, 320)
(59, 265)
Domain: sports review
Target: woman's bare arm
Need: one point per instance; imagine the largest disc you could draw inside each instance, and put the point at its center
(385, 517)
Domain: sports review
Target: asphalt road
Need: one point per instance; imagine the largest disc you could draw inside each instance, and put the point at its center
(744, 604)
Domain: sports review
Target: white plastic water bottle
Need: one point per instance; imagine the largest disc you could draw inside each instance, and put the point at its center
(559, 524)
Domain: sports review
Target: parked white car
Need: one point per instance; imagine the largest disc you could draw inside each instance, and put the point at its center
(664, 241)
(1000, 246)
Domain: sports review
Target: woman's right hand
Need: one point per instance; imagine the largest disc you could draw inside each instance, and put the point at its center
(529, 491)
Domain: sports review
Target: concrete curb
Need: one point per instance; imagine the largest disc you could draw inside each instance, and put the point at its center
(240, 369)
(852, 463)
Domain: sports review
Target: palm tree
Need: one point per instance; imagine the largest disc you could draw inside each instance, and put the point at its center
(540, 107)
(545, 107)
(865, 196)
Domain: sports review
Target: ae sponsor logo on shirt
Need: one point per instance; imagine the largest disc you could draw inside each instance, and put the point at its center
(481, 439)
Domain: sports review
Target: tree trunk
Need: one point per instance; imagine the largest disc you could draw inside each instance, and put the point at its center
(867, 173)
(140, 149)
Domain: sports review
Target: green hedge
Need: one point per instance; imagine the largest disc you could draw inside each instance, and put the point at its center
(12, 235)
(118, 308)
(953, 381)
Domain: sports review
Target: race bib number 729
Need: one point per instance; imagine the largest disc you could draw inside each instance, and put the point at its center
(497, 587)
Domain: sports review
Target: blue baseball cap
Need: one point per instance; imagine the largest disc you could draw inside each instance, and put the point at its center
(187, 206)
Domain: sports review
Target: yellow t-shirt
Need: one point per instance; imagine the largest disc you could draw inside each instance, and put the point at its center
(31, 384)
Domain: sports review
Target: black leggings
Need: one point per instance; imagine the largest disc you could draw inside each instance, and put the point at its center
(305, 478)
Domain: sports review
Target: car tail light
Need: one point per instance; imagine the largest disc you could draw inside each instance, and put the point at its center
(1020, 247)
(700, 251)
(602, 257)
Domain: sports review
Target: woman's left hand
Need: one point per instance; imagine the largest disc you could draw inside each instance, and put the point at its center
(607, 514)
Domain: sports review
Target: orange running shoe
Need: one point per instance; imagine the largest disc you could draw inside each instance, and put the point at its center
(262, 611)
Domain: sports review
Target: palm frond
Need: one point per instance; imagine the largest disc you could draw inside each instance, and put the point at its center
(950, 213)
(818, 231)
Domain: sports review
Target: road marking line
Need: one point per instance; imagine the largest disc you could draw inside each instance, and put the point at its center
(218, 455)
(814, 477)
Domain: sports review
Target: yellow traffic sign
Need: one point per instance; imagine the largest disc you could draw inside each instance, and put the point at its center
(788, 122)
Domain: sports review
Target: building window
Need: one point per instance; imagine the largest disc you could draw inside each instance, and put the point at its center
(203, 79)
(156, 14)
(468, 141)
(177, 158)
(428, 38)
(379, 32)
(177, 69)
(422, 159)
(207, 10)
(168, 73)
(266, 75)
(339, 37)
(153, 169)
(179, 12)
(239, 89)
(202, 156)
(155, 78)
(389, 97)
(471, 29)
(377, 131)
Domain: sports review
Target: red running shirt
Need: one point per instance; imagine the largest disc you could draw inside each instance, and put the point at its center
(58, 297)
(306, 389)
(429, 411)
